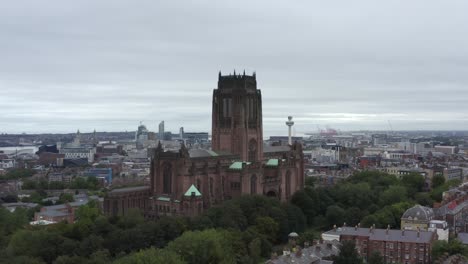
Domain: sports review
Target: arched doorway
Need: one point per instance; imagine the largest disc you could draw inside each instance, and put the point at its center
(271, 193)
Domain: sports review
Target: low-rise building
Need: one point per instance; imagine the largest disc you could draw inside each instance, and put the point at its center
(449, 150)
(119, 201)
(395, 246)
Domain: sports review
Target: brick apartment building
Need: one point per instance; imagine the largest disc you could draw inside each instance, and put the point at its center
(395, 246)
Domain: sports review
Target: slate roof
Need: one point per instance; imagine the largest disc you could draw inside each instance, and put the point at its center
(308, 255)
(451, 208)
(394, 235)
(463, 237)
(130, 189)
(201, 153)
(270, 149)
(53, 213)
(419, 212)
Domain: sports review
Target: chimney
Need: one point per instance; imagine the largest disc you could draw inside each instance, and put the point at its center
(418, 231)
(334, 228)
(344, 224)
(329, 245)
(359, 225)
(318, 248)
(388, 228)
(402, 232)
(306, 244)
(355, 228)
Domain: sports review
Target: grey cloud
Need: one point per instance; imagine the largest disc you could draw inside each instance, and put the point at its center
(351, 65)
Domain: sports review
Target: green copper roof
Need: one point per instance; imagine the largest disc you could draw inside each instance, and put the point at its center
(272, 162)
(191, 190)
(165, 199)
(212, 153)
(237, 165)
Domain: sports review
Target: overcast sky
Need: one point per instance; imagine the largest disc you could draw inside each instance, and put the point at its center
(350, 65)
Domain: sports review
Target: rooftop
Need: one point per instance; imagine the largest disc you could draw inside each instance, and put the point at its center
(272, 149)
(130, 189)
(395, 235)
(419, 212)
(193, 190)
(237, 165)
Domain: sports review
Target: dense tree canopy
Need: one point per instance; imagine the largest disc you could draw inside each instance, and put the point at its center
(242, 230)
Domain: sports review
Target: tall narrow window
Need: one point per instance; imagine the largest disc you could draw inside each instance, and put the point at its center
(222, 185)
(288, 184)
(253, 184)
(211, 187)
(229, 107)
(251, 109)
(167, 178)
(252, 150)
(225, 105)
(199, 184)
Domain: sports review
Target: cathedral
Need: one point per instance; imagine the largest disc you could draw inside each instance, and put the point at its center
(189, 181)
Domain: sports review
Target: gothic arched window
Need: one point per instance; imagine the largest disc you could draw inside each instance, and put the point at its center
(167, 178)
(253, 184)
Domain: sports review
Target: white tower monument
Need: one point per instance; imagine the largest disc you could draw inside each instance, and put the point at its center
(289, 123)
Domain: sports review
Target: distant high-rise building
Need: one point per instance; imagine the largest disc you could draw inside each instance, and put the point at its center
(181, 132)
(76, 139)
(161, 130)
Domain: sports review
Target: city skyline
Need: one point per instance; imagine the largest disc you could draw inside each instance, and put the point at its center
(354, 67)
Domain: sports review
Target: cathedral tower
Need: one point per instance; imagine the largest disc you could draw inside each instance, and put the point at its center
(237, 117)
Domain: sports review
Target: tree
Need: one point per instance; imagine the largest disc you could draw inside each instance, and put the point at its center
(437, 181)
(18, 173)
(21, 260)
(310, 181)
(200, 247)
(268, 227)
(354, 215)
(335, 215)
(44, 244)
(424, 199)
(10, 198)
(302, 200)
(66, 198)
(414, 182)
(348, 254)
(151, 256)
(394, 194)
(375, 258)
